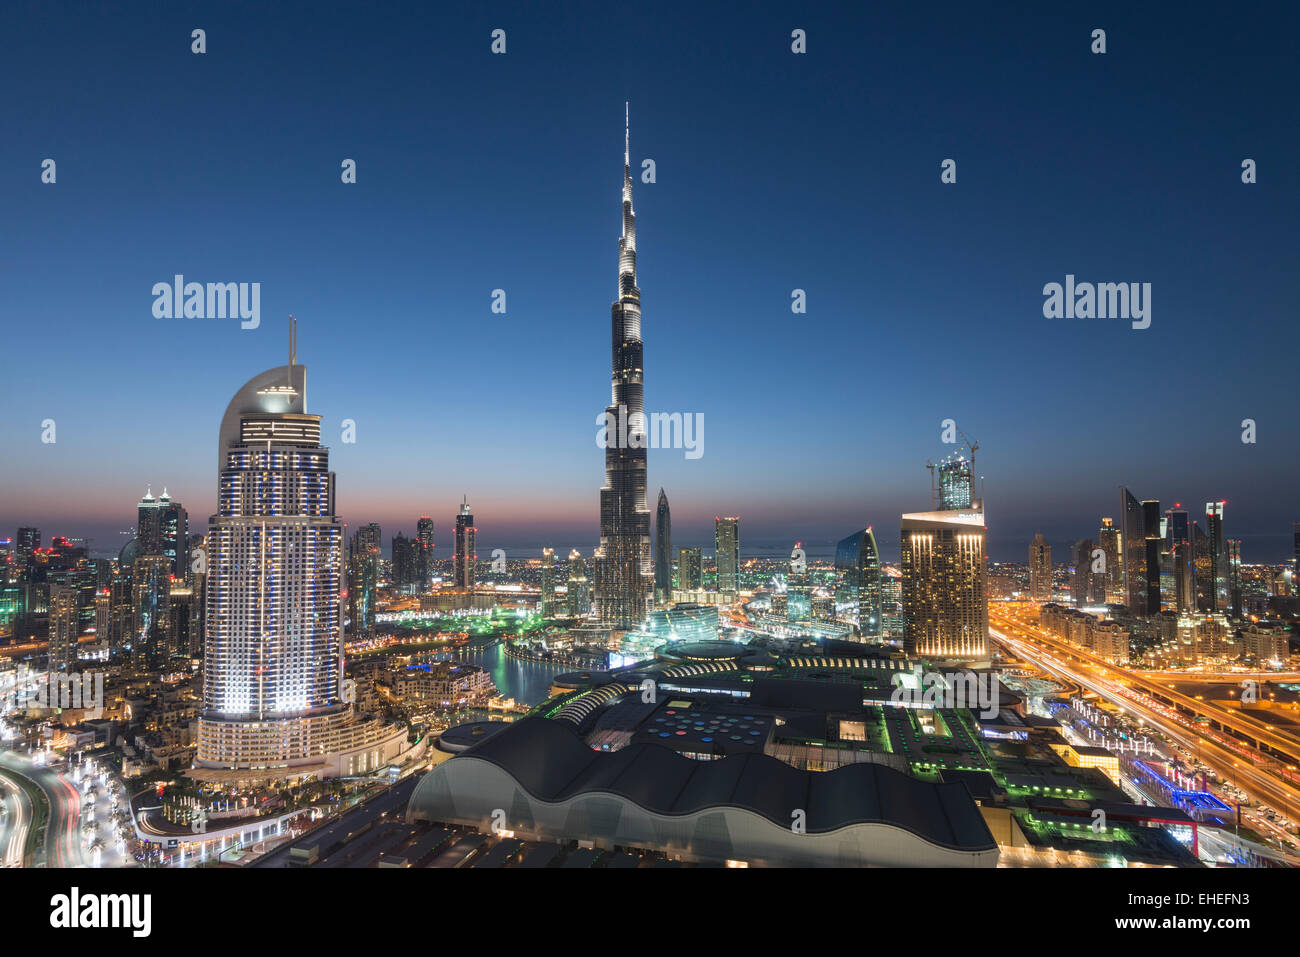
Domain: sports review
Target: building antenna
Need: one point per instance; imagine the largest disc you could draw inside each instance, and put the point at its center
(627, 133)
(293, 346)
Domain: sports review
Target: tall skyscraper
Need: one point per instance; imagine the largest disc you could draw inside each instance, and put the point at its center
(163, 528)
(1133, 542)
(624, 571)
(663, 550)
(1111, 542)
(464, 559)
(945, 604)
(956, 483)
(726, 545)
(1081, 573)
(548, 582)
(1182, 564)
(859, 589)
(579, 587)
(424, 552)
(63, 628)
(1040, 569)
(690, 569)
(404, 574)
(29, 539)
(363, 578)
(151, 639)
(1153, 527)
(273, 664)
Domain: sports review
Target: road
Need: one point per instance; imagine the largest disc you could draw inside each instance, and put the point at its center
(1232, 766)
(15, 824)
(63, 832)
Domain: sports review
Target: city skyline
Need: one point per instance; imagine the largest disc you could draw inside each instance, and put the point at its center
(773, 414)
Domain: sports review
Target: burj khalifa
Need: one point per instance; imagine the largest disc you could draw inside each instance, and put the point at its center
(623, 593)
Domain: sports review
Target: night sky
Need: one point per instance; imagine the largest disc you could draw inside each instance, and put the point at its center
(775, 171)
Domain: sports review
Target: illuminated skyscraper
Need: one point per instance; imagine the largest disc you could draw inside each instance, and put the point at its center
(1181, 558)
(579, 587)
(63, 628)
(1220, 575)
(465, 555)
(424, 552)
(1040, 569)
(163, 528)
(1110, 541)
(273, 665)
(548, 581)
(1086, 586)
(726, 545)
(663, 550)
(1133, 542)
(945, 604)
(690, 569)
(363, 578)
(859, 589)
(625, 578)
(1153, 527)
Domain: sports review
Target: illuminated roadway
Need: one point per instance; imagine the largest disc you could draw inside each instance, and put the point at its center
(1028, 644)
(15, 823)
(63, 830)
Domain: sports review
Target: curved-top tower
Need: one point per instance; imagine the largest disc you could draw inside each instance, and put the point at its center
(626, 583)
(273, 694)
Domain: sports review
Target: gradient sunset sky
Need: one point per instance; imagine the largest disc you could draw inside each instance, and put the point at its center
(775, 171)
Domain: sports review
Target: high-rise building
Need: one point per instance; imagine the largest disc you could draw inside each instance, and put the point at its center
(625, 578)
(690, 569)
(273, 694)
(1181, 557)
(945, 605)
(579, 587)
(163, 528)
(424, 552)
(726, 550)
(465, 555)
(663, 550)
(363, 578)
(405, 574)
(1111, 541)
(1153, 527)
(1084, 582)
(1040, 569)
(151, 642)
(63, 628)
(1133, 548)
(1295, 544)
(1235, 607)
(28, 541)
(956, 483)
(548, 582)
(859, 595)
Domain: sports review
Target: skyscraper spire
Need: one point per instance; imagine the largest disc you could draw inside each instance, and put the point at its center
(627, 137)
(625, 576)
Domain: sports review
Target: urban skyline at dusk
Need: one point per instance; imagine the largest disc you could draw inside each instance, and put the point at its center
(882, 458)
(449, 397)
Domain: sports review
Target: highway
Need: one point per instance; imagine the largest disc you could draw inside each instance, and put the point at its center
(1250, 777)
(63, 832)
(17, 820)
